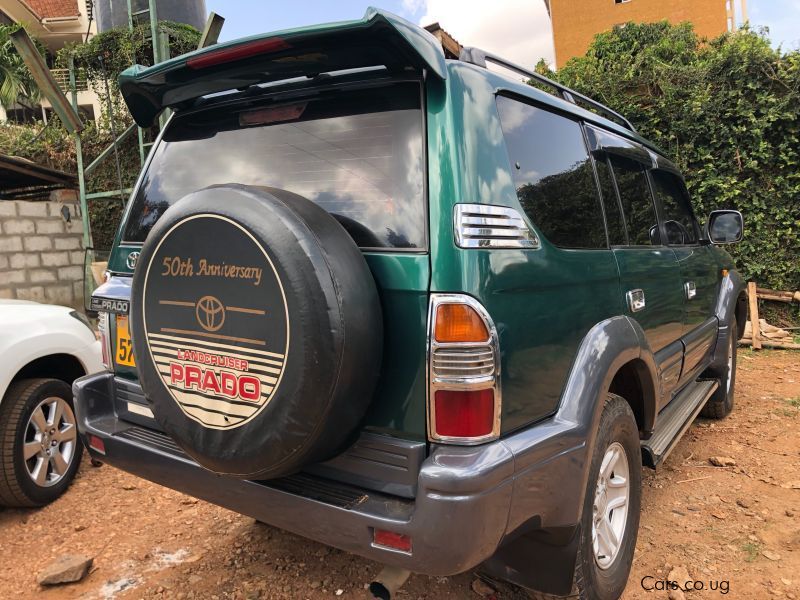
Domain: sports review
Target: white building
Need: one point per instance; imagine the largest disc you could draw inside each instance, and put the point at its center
(54, 23)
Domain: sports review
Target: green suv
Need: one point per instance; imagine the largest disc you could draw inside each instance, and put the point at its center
(406, 306)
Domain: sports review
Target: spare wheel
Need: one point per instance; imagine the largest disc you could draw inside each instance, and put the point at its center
(257, 330)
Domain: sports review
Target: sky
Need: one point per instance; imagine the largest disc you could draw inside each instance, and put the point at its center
(516, 29)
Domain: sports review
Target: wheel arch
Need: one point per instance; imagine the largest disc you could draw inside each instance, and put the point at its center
(634, 383)
(62, 366)
(614, 351)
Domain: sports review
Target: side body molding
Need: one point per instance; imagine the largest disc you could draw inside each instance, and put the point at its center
(550, 479)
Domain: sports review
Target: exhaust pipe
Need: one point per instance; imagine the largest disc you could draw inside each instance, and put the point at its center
(388, 581)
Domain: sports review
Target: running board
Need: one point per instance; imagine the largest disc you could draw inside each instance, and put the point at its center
(674, 420)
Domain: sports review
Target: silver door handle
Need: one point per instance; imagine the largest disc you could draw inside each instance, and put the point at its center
(691, 289)
(635, 300)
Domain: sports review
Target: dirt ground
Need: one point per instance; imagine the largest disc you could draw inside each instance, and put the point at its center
(734, 529)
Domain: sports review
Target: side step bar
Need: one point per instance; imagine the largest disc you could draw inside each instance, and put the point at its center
(674, 420)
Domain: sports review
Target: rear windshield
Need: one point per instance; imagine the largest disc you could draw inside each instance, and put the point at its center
(359, 155)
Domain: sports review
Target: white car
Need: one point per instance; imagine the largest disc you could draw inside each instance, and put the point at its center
(43, 349)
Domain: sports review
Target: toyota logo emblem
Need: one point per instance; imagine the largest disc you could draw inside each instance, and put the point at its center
(133, 257)
(210, 313)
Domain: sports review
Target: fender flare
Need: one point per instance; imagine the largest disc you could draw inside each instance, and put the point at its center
(604, 350)
(729, 302)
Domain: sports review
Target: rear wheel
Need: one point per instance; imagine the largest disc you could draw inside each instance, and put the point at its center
(721, 402)
(610, 521)
(39, 447)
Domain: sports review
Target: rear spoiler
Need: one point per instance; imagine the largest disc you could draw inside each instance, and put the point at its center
(380, 38)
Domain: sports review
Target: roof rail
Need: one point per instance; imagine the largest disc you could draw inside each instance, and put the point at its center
(478, 57)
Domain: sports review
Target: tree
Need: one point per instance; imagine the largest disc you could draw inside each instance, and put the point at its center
(727, 111)
(16, 82)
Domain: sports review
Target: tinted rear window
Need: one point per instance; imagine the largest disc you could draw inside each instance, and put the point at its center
(359, 155)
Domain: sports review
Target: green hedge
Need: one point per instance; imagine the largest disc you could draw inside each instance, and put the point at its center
(727, 111)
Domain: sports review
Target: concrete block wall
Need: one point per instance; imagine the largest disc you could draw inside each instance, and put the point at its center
(41, 254)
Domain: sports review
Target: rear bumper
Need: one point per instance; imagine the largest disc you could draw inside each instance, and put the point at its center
(468, 498)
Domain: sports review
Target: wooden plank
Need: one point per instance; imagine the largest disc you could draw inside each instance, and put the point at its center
(752, 296)
(775, 295)
(776, 335)
(771, 344)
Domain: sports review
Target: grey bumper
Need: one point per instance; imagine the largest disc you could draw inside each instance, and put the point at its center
(468, 498)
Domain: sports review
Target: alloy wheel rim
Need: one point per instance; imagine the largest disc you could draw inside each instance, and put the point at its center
(610, 507)
(51, 437)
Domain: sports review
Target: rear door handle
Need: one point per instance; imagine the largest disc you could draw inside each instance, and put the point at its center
(635, 300)
(691, 289)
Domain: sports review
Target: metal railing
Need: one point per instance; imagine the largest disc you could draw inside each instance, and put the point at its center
(61, 77)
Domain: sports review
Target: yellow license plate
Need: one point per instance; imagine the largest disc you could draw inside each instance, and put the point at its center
(124, 354)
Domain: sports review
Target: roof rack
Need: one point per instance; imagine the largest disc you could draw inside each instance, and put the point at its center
(478, 57)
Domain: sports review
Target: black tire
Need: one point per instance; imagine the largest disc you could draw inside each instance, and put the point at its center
(721, 402)
(590, 582)
(17, 488)
(292, 310)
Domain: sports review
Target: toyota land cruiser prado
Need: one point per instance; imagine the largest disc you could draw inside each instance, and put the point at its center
(409, 307)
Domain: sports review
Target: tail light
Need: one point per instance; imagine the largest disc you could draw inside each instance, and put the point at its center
(464, 398)
(105, 339)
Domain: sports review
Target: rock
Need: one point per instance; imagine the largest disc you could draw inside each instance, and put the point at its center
(789, 513)
(483, 589)
(743, 503)
(80, 527)
(719, 515)
(722, 461)
(771, 555)
(66, 569)
(680, 575)
(676, 595)
(128, 487)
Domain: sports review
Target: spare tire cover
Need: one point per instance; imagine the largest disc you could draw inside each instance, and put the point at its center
(257, 330)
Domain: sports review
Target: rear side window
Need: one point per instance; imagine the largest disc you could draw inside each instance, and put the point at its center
(637, 202)
(679, 224)
(553, 175)
(359, 155)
